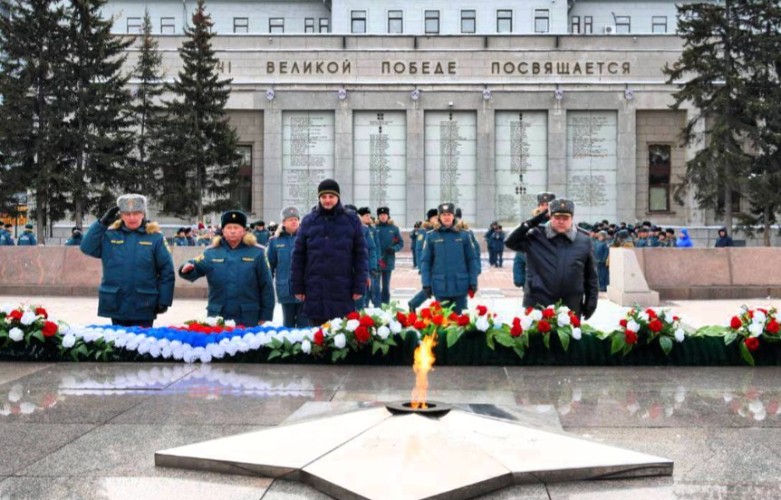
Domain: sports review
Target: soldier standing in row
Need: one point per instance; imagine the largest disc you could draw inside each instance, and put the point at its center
(138, 272)
(240, 285)
(391, 242)
(28, 237)
(280, 255)
(76, 237)
(6, 236)
(432, 221)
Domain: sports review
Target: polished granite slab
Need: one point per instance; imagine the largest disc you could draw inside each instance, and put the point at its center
(370, 453)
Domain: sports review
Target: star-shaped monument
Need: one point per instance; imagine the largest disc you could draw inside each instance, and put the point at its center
(371, 453)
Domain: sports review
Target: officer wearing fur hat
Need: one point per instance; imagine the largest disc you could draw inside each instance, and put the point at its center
(560, 260)
(76, 237)
(27, 238)
(6, 236)
(235, 266)
(330, 262)
(364, 213)
(391, 242)
(519, 262)
(447, 266)
(138, 272)
(280, 254)
(261, 233)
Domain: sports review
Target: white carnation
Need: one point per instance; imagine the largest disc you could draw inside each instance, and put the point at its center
(26, 408)
(16, 334)
(211, 321)
(563, 319)
(756, 329)
(632, 326)
(482, 323)
(63, 328)
(155, 350)
(759, 317)
(535, 315)
(576, 333)
(206, 357)
(395, 327)
(28, 318)
(218, 351)
(644, 317)
(68, 341)
(306, 347)
(230, 323)
(336, 324)
(340, 341)
(383, 332)
(352, 325)
(679, 334)
(526, 322)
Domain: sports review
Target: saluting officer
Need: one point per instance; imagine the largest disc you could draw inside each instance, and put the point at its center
(240, 285)
(448, 268)
(519, 263)
(391, 242)
(138, 272)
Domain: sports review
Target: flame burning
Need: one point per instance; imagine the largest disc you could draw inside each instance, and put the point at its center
(424, 360)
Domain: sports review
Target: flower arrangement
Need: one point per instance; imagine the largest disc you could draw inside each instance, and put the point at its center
(646, 326)
(210, 325)
(556, 320)
(752, 327)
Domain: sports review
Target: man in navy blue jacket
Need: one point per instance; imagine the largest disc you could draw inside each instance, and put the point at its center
(330, 260)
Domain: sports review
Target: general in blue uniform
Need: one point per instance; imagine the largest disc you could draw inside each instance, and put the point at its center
(27, 238)
(240, 285)
(390, 242)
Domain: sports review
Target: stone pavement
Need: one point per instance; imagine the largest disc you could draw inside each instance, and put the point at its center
(89, 431)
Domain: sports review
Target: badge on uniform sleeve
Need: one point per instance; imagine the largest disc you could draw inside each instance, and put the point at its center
(247, 259)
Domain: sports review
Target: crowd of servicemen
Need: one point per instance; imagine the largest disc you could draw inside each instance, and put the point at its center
(339, 258)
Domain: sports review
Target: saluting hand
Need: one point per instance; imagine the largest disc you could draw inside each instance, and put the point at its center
(187, 268)
(301, 297)
(357, 296)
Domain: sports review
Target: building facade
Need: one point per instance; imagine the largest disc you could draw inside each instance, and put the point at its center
(412, 118)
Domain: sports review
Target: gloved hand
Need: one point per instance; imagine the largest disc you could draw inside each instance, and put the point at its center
(427, 291)
(160, 309)
(538, 219)
(110, 216)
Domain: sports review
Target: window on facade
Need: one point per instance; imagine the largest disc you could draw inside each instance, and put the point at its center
(432, 21)
(623, 24)
(240, 25)
(325, 25)
(588, 25)
(504, 21)
(659, 24)
(575, 25)
(358, 21)
(659, 167)
(242, 196)
(541, 20)
(167, 25)
(395, 21)
(134, 25)
(309, 25)
(276, 25)
(468, 21)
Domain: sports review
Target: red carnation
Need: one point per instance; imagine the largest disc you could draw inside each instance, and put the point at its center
(319, 337)
(750, 314)
(420, 324)
(463, 320)
(762, 309)
(40, 311)
(15, 315)
(548, 313)
(516, 329)
(630, 337)
(622, 323)
(438, 319)
(574, 320)
(426, 313)
(412, 318)
(543, 326)
(362, 334)
(353, 315)
(435, 305)
(49, 329)
(367, 321)
(735, 323)
(655, 326)
(401, 318)
(471, 293)
(772, 327)
(676, 318)
(529, 310)
(453, 316)
(482, 310)
(752, 343)
(651, 313)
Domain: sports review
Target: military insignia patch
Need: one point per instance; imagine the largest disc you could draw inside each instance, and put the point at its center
(199, 258)
(145, 243)
(218, 260)
(247, 259)
(117, 242)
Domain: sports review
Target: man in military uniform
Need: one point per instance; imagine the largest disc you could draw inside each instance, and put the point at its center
(391, 242)
(432, 221)
(138, 272)
(447, 265)
(262, 234)
(76, 237)
(519, 262)
(6, 236)
(235, 266)
(560, 260)
(27, 238)
(280, 255)
(373, 294)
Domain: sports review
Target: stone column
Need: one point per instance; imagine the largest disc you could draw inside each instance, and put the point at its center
(557, 150)
(343, 150)
(272, 161)
(626, 157)
(486, 178)
(416, 193)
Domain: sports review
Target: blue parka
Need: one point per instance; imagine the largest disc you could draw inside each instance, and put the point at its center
(329, 262)
(371, 248)
(280, 255)
(448, 262)
(684, 241)
(6, 238)
(240, 285)
(74, 241)
(463, 226)
(262, 236)
(138, 272)
(27, 239)
(391, 242)
(495, 242)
